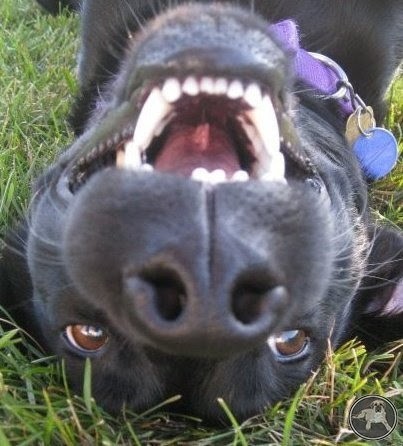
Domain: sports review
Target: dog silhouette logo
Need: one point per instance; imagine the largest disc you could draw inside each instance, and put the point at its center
(373, 417)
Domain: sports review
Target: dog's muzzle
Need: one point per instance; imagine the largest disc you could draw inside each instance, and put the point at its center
(186, 193)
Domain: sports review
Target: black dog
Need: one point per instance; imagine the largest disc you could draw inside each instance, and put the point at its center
(227, 284)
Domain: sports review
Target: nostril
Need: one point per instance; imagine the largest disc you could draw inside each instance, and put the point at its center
(170, 298)
(252, 302)
(169, 291)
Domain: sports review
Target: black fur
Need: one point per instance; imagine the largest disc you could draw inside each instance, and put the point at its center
(241, 260)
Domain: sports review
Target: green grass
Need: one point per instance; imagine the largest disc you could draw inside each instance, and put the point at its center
(37, 82)
(37, 54)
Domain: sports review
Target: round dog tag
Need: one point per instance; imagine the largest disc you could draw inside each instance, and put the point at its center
(359, 123)
(376, 152)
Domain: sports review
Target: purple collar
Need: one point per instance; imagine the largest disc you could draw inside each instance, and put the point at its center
(320, 72)
(375, 148)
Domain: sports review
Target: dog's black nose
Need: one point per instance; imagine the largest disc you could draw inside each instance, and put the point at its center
(173, 318)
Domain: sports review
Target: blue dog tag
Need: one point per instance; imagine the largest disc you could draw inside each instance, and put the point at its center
(377, 152)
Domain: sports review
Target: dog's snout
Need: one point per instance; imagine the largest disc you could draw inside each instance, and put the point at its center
(173, 318)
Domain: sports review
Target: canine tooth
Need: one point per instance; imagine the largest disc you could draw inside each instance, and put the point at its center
(161, 126)
(253, 95)
(155, 110)
(201, 174)
(277, 170)
(265, 120)
(278, 166)
(235, 90)
(191, 86)
(132, 156)
(240, 175)
(207, 85)
(171, 90)
(269, 178)
(251, 133)
(220, 86)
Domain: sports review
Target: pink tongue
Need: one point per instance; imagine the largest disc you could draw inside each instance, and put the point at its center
(187, 147)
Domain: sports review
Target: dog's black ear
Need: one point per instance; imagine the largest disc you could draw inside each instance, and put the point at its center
(15, 282)
(378, 307)
(55, 6)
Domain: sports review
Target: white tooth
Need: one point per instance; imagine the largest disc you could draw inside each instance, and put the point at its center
(220, 86)
(265, 120)
(147, 168)
(132, 156)
(269, 178)
(162, 125)
(217, 176)
(171, 90)
(155, 110)
(235, 90)
(201, 174)
(207, 85)
(249, 128)
(214, 177)
(253, 95)
(277, 170)
(191, 86)
(277, 167)
(252, 134)
(240, 175)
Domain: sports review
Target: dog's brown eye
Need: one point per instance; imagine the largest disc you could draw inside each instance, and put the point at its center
(289, 344)
(86, 337)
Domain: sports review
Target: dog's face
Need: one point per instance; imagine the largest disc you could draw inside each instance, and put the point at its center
(207, 232)
(378, 406)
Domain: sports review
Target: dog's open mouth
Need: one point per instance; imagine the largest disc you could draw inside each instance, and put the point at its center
(208, 129)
